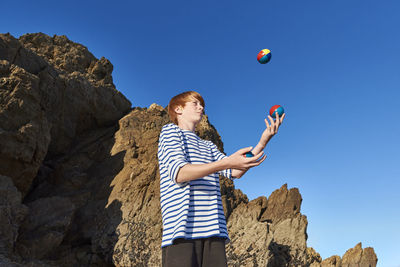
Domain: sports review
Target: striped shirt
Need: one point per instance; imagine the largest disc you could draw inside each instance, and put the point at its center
(190, 209)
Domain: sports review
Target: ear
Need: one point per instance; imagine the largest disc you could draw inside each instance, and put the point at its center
(178, 110)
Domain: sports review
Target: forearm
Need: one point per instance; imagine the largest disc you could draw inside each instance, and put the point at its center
(238, 173)
(191, 172)
(236, 161)
(261, 145)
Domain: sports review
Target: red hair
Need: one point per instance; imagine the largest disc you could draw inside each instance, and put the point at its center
(181, 100)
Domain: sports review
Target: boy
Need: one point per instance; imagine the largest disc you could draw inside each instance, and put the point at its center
(194, 226)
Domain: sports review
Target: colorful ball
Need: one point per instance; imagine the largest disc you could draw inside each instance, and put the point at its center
(249, 154)
(276, 108)
(264, 56)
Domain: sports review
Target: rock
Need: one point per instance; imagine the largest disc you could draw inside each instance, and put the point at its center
(359, 257)
(231, 198)
(278, 241)
(282, 204)
(24, 128)
(12, 213)
(8, 263)
(45, 226)
(250, 238)
(52, 90)
(333, 261)
(313, 257)
(80, 186)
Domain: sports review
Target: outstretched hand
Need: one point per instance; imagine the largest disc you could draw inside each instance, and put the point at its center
(272, 127)
(239, 161)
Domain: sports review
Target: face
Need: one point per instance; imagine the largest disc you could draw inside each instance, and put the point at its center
(192, 111)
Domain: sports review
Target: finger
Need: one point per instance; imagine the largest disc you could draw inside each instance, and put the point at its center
(268, 126)
(262, 159)
(274, 124)
(283, 116)
(249, 149)
(258, 162)
(258, 156)
(266, 123)
(244, 151)
(278, 120)
(271, 120)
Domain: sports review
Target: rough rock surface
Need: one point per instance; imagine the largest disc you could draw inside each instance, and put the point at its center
(52, 90)
(12, 213)
(80, 186)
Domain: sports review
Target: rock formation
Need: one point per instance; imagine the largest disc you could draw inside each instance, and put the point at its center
(79, 181)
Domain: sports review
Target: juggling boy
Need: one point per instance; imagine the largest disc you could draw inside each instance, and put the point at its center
(194, 225)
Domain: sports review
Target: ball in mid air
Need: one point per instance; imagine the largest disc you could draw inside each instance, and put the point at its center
(264, 56)
(276, 108)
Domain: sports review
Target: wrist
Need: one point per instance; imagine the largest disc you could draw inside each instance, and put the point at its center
(263, 142)
(225, 163)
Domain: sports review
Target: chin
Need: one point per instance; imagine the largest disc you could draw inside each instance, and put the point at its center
(197, 121)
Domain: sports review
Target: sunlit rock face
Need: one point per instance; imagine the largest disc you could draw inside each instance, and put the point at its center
(79, 178)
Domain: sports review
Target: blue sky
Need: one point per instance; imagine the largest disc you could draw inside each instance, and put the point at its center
(334, 68)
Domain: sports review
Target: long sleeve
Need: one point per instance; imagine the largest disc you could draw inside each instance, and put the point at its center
(218, 155)
(171, 152)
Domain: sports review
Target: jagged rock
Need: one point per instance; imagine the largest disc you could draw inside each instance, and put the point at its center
(24, 129)
(250, 238)
(282, 204)
(90, 178)
(52, 90)
(278, 241)
(333, 261)
(354, 257)
(359, 257)
(231, 198)
(313, 257)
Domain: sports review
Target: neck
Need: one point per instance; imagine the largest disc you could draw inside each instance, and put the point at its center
(190, 126)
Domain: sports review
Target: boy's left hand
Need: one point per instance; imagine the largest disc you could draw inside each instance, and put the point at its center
(272, 128)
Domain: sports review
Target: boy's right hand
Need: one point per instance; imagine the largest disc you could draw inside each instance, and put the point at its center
(239, 161)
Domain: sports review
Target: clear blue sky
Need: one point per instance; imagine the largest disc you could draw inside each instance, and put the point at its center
(334, 67)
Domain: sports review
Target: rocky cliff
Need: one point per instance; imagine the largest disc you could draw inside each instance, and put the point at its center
(79, 181)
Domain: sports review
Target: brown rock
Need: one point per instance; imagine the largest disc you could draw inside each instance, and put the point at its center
(249, 237)
(313, 256)
(333, 261)
(231, 198)
(24, 129)
(282, 204)
(90, 178)
(52, 90)
(359, 257)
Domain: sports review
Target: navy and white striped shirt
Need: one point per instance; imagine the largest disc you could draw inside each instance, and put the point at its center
(191, 209)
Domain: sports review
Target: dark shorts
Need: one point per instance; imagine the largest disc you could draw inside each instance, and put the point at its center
(204, 252)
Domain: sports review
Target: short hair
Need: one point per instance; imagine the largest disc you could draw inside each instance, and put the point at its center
(181, 100)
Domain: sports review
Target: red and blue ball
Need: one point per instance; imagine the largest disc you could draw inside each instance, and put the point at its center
(264, 56)
(274, 109)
